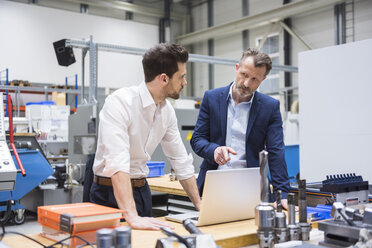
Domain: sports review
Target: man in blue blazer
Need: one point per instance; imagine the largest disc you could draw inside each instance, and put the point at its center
(235, 123)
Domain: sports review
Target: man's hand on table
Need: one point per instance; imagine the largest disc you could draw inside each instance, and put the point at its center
(147, 223)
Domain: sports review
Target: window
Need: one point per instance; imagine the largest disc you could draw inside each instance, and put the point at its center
(270, 47)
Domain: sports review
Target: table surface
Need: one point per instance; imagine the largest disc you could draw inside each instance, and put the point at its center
(233, 234)
(165, 185)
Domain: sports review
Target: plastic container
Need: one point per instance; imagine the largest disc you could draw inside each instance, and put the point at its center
(156, 168)
(320, 212)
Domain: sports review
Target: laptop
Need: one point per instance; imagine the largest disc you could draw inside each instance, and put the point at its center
(229, 195)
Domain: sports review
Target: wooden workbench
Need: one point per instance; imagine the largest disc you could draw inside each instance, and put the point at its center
(229, 235)
(165, 185)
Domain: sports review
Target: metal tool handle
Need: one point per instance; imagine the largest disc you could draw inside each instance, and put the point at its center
(264, 176)
(187, 223)
(302, 200)
(291, 209)
(279, 207)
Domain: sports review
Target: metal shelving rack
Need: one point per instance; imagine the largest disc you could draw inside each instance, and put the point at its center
(93, 48)
(44, 89)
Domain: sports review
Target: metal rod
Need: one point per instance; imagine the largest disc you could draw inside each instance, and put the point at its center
(38, 89)
(192, 57)
(291, 32)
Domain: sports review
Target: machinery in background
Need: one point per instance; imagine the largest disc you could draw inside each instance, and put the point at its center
(349, 189)
(17, 185)
(347, 225)
(186, 119)
(8, 170)
(82, 133)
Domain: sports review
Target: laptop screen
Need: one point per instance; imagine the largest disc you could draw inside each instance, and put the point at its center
(230, 195)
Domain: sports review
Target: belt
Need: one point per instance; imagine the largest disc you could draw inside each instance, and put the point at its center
(106, 181)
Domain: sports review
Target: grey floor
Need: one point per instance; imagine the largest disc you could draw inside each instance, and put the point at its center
(30, 226)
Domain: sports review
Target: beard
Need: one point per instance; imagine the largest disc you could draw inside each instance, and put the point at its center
(244, 91)
(174, 94)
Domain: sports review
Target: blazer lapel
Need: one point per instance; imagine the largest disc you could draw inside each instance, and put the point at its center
(223, 110)
(255, 108)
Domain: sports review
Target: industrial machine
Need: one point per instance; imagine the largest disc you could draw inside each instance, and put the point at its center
(8, 170)
(347, 225)
(186, 119)
(14, 185)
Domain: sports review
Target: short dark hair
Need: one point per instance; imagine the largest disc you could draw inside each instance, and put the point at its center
(163, 58)
(260, 58)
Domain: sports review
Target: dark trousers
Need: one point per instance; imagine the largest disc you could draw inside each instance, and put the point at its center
(104, 195)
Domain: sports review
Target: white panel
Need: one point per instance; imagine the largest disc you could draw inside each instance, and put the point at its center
(336, 111)
(259, 6)
(200, 77)
(363, 19)
(200, 16)
(226, 11)
(28, 32)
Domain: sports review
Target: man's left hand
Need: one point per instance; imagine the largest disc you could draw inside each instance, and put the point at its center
(284, 204)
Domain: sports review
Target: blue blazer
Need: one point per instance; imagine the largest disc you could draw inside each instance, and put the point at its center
(264, 130)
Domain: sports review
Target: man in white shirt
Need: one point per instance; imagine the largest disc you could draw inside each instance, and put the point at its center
(133, 121)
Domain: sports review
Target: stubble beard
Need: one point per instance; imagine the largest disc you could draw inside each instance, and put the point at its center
(244, 92)
(175, 95)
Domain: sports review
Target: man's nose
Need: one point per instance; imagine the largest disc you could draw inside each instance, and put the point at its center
(184, 82)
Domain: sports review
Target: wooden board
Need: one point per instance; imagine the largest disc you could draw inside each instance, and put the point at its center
(229, 235)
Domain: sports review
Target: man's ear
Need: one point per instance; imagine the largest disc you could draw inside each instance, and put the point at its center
(164, 78)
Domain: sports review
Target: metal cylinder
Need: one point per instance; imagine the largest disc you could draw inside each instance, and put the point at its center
(280, 220)
(104, 238)
(123, 237)
(281, 230)
(265, 239)
(265, 216)
(265, 220)
(294, 232)
(291, 209)
(305, 231)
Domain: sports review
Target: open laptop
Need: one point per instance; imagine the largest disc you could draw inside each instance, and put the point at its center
(229, 195)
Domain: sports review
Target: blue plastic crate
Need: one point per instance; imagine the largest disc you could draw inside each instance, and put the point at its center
(320, 212)
(156, 168)
(292, 158)
(41, 103)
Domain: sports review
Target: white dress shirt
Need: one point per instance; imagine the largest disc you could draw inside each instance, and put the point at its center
(236, 128)
(131, 127)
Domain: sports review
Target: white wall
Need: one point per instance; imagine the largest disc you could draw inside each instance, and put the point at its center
(336, 111)
(28, 31)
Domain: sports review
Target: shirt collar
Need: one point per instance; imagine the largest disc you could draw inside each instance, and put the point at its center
(145, 95)
(230, 98)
